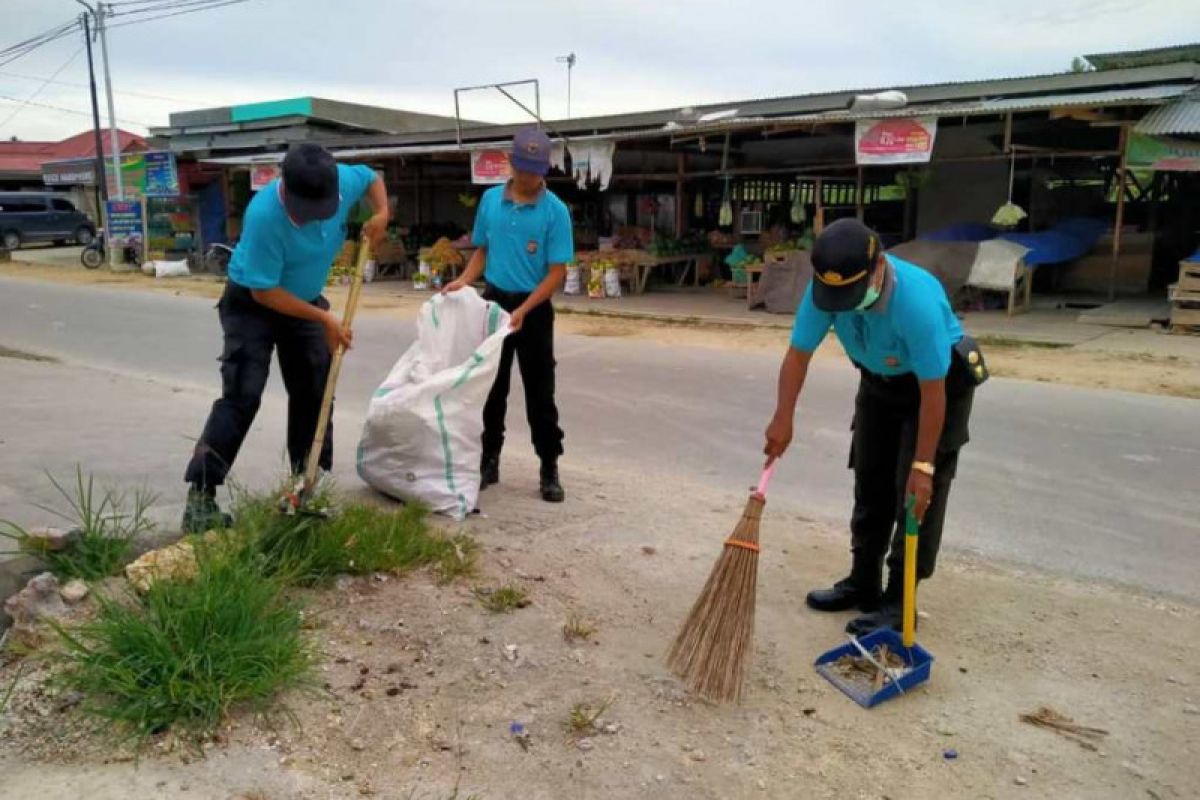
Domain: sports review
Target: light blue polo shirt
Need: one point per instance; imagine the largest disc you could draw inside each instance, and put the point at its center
(522, 239)
(910, 329)
(274, 251)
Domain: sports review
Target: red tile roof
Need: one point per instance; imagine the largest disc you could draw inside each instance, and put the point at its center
(28, 157)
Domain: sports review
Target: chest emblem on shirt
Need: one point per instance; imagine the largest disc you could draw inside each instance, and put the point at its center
(531, 247)
(891, 361)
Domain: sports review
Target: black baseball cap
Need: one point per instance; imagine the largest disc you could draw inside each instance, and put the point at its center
(843, 258)
(310, 183)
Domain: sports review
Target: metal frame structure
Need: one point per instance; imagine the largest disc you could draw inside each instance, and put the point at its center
(500, 87)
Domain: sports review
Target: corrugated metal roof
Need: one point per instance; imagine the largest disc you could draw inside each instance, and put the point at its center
(1133, 95)
(1182, 116)
(781, 108)
(1140, 58)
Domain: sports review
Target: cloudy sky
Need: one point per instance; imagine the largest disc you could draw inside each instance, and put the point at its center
(632, 55)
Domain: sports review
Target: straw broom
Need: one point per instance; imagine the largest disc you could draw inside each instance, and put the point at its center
(712, 650)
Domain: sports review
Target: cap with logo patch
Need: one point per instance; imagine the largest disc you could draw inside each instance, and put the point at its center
(531, 151)
(843, 257)
(310, 183)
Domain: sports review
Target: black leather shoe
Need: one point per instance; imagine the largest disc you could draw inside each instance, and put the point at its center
(552, 490)
(489, 470)
(890, 614)
(844, 596)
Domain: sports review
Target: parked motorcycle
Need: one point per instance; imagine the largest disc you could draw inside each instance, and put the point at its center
(96, 253)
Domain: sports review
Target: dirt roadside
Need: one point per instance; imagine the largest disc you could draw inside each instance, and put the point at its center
(1146, 373)
(423, 685)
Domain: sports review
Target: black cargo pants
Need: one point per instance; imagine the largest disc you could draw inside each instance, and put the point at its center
(533, 347)
(252, 332)
(886, 415)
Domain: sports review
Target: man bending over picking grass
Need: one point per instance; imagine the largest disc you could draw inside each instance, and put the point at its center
(293, 229)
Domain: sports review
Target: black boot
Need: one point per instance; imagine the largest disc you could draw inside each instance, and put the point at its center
(855, 591)
(202, 514)
(552, 490)
(489, 470)
(890, 613)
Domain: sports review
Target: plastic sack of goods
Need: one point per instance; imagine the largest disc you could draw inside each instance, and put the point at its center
(421, 440)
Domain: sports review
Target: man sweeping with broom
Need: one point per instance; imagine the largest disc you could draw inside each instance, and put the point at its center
(918, 376)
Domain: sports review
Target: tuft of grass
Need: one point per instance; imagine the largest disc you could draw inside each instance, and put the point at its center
(108, 524)
(503, 600)
(355, 540)
(578, 627)
(459, 559)
(185, 653)
(581, 721)
(24, 355)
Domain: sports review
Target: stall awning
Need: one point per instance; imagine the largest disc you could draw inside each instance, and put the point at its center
(1179, 117)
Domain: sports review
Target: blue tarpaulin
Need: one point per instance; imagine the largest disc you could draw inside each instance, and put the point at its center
(1066, 241)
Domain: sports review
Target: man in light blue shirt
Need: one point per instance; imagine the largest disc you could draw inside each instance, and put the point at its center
(292, 231)
(524, 240)
(918, 377)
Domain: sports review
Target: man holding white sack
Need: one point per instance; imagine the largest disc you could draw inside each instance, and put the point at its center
(524, 240)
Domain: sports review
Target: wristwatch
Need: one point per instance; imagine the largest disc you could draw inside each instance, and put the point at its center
(923, 466)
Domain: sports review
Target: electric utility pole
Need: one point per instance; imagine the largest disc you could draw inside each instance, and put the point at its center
(101, 183)
(114, 138)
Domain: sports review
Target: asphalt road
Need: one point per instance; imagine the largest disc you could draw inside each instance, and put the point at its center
(1087, 483)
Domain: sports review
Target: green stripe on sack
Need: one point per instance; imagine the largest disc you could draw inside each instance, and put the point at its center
(433, 313)
(493, 318)
(447, 454)
(441, 420)
(476, 360)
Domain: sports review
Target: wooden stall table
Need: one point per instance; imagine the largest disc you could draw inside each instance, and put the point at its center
(644, 263)
(754, 274)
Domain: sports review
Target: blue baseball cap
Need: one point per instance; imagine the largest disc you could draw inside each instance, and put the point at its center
(531, 151)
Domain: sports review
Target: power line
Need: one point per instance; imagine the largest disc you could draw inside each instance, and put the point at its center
(76, 85)
(41, 88)
(21, 49)
(204, 7)
(161, 5)
(6, 99)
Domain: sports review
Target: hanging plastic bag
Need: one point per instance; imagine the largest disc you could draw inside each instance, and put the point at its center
(421, 441)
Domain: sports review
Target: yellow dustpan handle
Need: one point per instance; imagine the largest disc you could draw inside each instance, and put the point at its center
(910, 573)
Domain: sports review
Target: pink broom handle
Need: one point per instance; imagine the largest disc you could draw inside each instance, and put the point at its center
(763, 481)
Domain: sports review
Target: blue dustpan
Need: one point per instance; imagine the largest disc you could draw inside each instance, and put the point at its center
(917, 658)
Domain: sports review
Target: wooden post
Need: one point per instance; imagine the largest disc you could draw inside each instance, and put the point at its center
(417, 193)
(859, 209)
(680, 200)
(908, 205)
(819, 216)
(1116, 246)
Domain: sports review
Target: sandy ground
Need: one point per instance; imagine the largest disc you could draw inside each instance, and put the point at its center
(629, 554)
(1148, 372)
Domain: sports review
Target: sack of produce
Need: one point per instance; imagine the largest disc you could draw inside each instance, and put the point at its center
(596, 282)
(574, 283)
(612, 281)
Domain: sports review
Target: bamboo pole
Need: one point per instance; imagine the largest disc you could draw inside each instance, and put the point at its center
(680, 200)
(859, 208)
(1116, 246)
